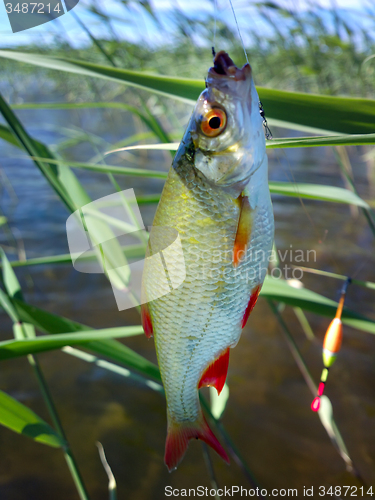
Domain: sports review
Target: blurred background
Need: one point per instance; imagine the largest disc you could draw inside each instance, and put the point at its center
(323, 48)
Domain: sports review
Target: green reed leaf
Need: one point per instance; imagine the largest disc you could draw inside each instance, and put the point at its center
(332, 140)
(317, 192)
(325, 113)
(21, 347)
(279, 290)
(110, 169)
(53, 324)
(17, 417)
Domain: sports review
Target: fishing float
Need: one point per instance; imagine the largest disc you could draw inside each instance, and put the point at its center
(331, 346)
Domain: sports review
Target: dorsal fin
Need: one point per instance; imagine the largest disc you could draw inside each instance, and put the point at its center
(215, 374)
(146, 320)
(243, 230)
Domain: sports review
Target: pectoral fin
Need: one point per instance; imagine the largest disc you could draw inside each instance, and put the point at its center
(146, 321)
(216, 373)
(243, 230)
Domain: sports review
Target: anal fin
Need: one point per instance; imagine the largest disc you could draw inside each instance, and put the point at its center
(216, 373)
(146, 321)
(243, 230)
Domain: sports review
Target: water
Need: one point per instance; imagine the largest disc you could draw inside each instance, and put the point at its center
(268, 415)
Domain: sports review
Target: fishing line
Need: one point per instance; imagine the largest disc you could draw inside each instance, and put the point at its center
(295, 186)
(269, 137)
(215, 20)
(239, 32)
(313, 225)
(267, 130)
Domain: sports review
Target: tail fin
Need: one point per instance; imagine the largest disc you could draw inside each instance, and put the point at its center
(178, 439)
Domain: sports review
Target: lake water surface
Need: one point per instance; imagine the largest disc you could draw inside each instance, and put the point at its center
(268, 414)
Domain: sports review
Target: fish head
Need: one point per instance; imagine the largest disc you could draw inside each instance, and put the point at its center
(226, 127)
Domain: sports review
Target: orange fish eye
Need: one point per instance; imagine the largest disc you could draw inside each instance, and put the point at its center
(214, 122)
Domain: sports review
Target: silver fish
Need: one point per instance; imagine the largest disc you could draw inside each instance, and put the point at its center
(216, 198)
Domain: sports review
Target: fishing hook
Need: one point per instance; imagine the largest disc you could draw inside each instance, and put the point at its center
(267, 130)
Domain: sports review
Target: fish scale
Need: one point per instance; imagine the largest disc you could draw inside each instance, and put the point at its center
(195, 323)
(217, 305)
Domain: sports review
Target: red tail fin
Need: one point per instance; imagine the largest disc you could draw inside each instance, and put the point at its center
(178, 439)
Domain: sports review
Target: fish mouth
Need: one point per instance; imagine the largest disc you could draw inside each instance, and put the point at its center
(225, 67)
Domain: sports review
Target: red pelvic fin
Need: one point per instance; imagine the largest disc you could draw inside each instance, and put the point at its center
(216, 373)
(251, 304)
(243, 230)
(146, 320)
(178, 438)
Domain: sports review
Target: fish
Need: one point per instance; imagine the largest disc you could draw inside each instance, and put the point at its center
(217, 201)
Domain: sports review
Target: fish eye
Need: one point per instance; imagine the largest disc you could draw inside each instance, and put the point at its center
(214, 122)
